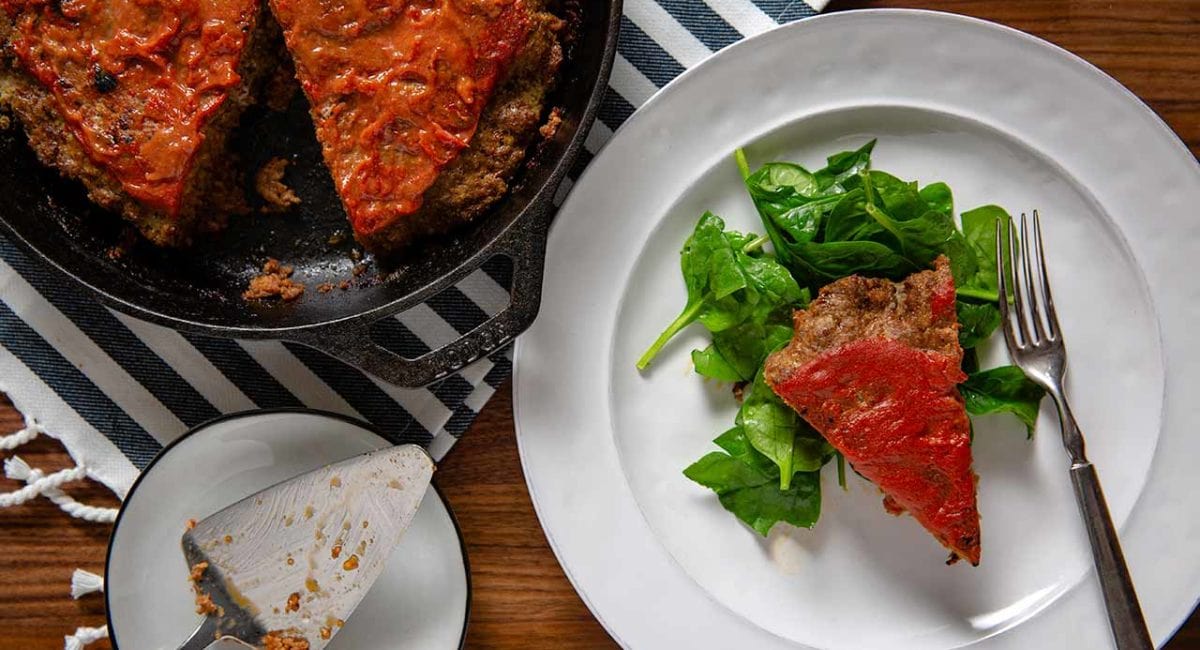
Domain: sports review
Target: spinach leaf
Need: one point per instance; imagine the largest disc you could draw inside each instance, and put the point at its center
(849, 221)
(937, 197)
(926, 237)
(979, 229)
(976, 322)
(727, 286)
(898, 198)
(754, 496)
(923, 238)
(736, 444)
(741, 350)
(779, 433)
(712, 364)
(855, 220)
(1003, 389)
(816, 265)
(843, 166)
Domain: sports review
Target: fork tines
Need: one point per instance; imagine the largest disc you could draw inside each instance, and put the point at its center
(1035, 318)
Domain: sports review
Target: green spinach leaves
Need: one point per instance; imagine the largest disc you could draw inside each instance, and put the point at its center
(727, 286)
(1003, 390)
(842, 219)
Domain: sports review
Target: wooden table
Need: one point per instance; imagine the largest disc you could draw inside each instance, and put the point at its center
(522, 599)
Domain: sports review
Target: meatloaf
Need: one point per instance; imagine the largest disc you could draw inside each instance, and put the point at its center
(423, 110)
(874, 366)
(135, 99)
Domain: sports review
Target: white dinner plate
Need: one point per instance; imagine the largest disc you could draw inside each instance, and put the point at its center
(1000, 116)
(420, 601)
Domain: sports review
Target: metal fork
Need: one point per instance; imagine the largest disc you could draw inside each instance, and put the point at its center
(1035, 343)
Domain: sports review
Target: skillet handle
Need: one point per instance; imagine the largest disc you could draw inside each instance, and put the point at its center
(525, 245)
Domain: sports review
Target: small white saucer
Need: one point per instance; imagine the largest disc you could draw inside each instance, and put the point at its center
(421, 601)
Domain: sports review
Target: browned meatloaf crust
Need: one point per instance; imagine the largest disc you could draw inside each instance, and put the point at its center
(480, 175)
(214, 188)
(856, 308)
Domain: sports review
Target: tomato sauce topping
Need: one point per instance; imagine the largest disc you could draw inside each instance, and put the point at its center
(894, 411)
(135, 80)
(397, 88)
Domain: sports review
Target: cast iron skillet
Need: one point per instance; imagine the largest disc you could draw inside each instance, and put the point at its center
(199, 290)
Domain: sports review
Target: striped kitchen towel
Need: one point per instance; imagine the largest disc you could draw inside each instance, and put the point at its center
(115, 389)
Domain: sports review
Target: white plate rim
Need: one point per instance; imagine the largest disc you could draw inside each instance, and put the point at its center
(1182, 610)
(282, 410)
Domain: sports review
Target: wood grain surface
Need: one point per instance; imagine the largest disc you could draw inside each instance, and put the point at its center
(521, 597)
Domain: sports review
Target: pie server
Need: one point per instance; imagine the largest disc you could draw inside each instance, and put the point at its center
(295, 559)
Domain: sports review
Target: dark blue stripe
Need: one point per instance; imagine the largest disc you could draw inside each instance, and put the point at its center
(361, 393)
(240, 368)
(500, 269)
(460, 420)
(76, 390)
(646, 55)
(502, 370)
(458, 310)
(115, 339)
(614, 109)
(785, 11)
(462, 417)
(452, 390)
(581, 163)
(395, 336)
(704, 23)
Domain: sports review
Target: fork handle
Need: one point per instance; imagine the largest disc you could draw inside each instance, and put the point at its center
(1120, 599)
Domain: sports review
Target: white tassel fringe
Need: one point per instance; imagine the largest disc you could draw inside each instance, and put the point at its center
(16, 468)
(38, 483)
(84, 583)
(83, 636)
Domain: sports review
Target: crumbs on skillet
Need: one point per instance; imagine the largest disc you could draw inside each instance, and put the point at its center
(268, 182)
(275, 281)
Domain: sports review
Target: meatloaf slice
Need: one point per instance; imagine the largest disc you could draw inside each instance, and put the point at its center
(874, 366)
(136, 99)
(423, 110)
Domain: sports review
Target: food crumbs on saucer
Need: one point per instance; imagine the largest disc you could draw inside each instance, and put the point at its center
(293, 602)
(351, 563)
(336, 550)
(191, 523)
(278, 640)
(198, 571)
(228, 539)
(325, 287)
(335, 482)
(291, 561)
(205, 605)
(311, 585)
(364, 523)
(326, 633)
(308, 512)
